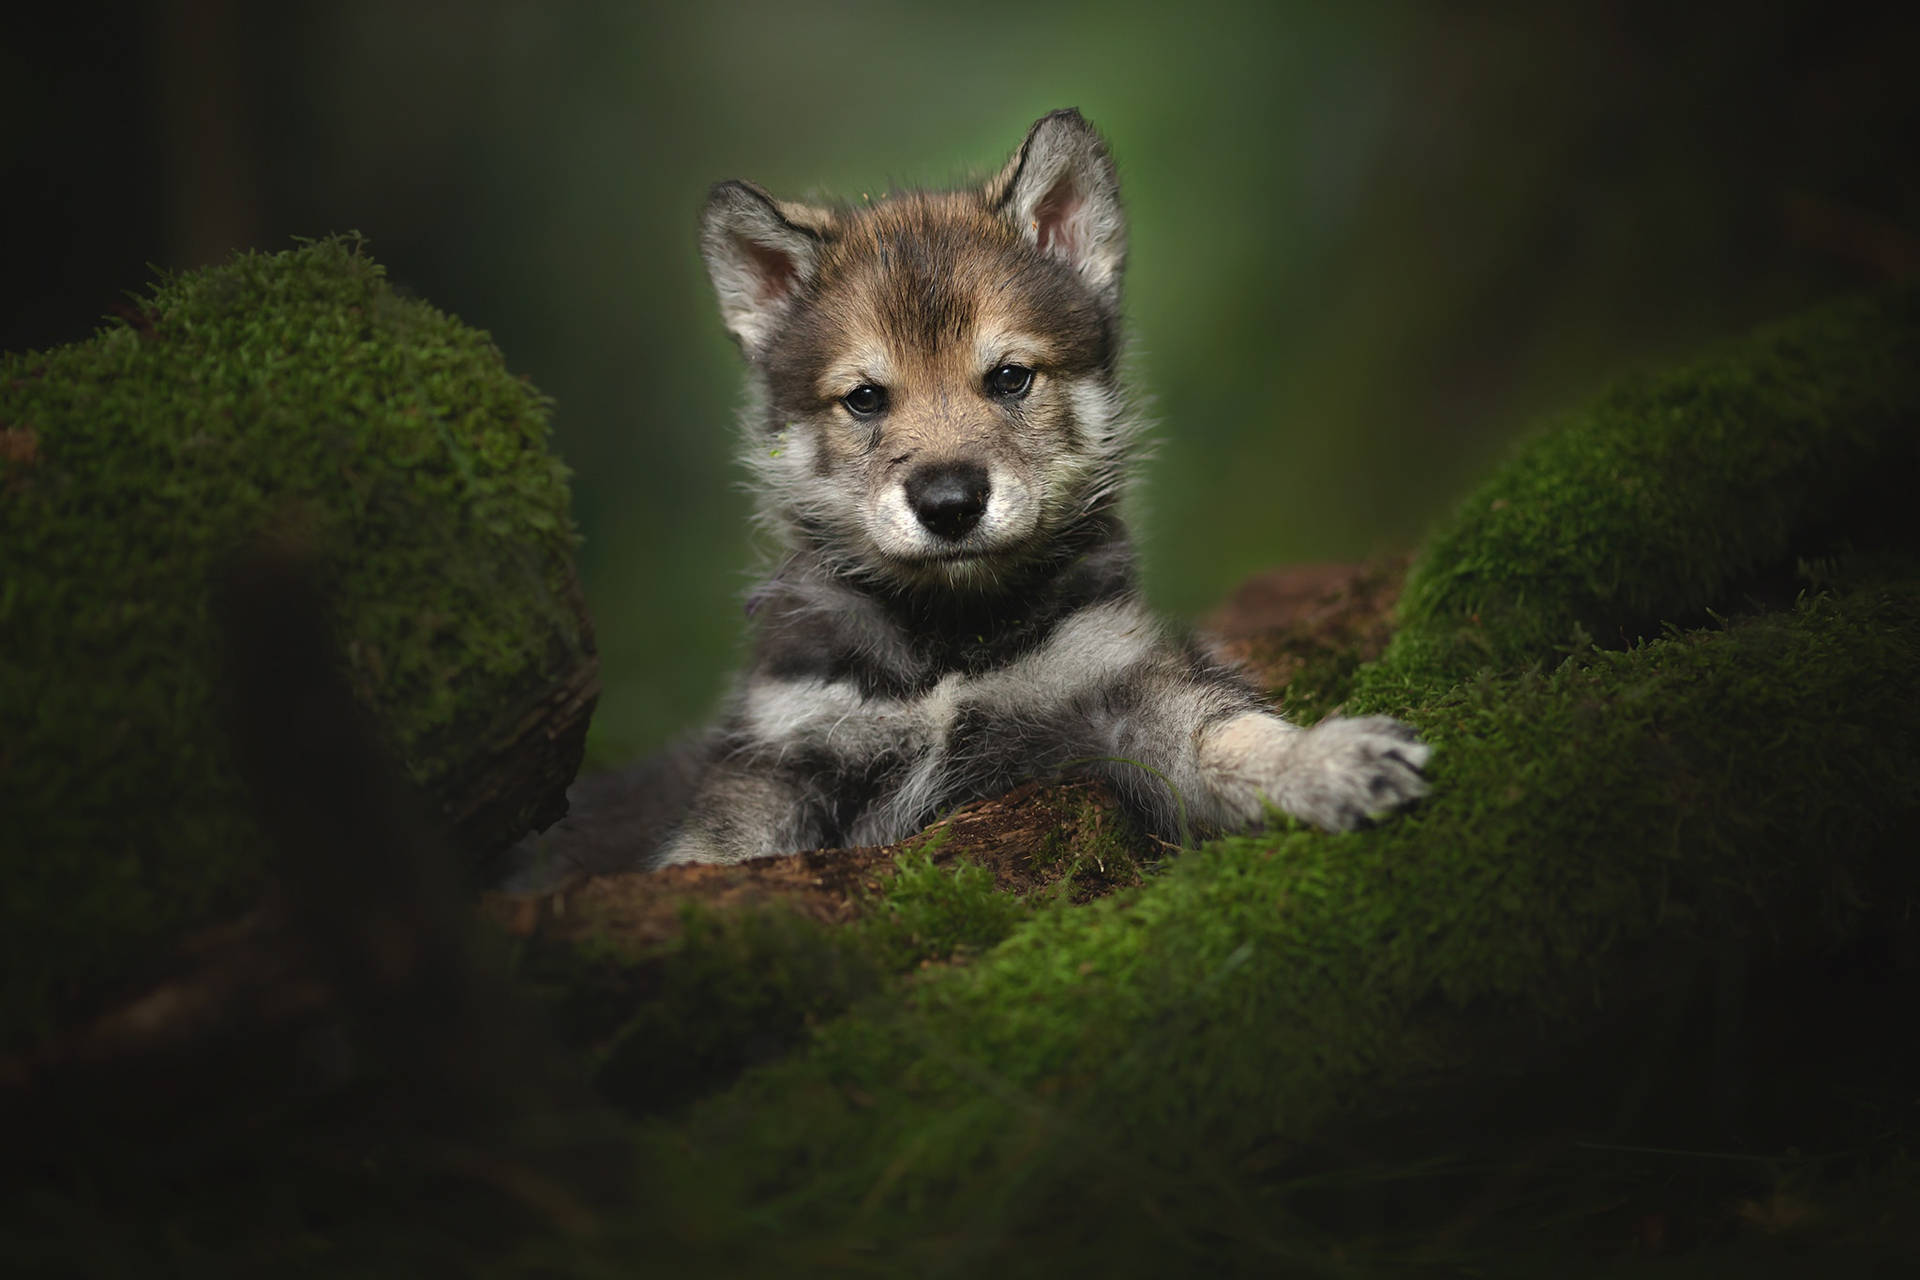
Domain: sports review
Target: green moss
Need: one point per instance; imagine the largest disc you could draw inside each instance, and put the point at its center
(743, 987)
(733, 990)
(1630, 804)
(281, 388)
(1319, 685)
(931, 912)
(1092, 852)
(1665, 496)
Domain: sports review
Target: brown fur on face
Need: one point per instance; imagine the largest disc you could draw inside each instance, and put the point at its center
(925, 295)
(921, 274)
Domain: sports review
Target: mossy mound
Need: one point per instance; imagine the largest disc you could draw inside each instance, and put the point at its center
(674, 981)
(294, 394)
(1667, 496)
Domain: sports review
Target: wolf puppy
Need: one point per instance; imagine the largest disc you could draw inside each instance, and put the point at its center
(939, 439)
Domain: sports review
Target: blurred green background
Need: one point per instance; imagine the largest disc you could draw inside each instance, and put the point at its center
(1369, 241)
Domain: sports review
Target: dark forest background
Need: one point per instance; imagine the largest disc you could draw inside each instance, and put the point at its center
(1370, 241)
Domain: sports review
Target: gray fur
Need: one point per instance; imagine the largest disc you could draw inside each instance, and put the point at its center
(903, 666)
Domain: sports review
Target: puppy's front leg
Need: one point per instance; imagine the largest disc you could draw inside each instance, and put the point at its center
(740, 813)
(1226, 759)
(1335, 775)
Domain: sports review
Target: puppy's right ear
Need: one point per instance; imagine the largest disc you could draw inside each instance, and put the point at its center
(1062, 195)
(760, 253)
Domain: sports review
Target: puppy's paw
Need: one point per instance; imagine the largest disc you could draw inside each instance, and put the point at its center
(1337, 775)
(682, 851)
(1340, 773)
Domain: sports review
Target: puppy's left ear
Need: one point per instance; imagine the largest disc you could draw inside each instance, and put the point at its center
(1062, 192)
(761, 254)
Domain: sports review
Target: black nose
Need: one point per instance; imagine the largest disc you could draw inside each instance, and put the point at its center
(948, 497)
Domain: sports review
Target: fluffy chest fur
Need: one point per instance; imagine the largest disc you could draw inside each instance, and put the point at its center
(885, 708)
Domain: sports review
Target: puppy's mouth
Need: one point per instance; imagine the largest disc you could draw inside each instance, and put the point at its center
(969, 552)
(958, 555)
(952, 567)
(939, 564)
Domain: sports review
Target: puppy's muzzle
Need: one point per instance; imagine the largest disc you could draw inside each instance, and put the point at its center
(948, 498)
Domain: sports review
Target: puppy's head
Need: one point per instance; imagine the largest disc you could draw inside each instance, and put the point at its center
(935, 373)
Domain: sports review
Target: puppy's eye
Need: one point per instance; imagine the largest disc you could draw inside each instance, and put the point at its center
(865, 400)
(1010, 380)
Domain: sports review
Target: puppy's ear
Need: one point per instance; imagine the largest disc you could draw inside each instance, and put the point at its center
(760, 254)
(1060, 189)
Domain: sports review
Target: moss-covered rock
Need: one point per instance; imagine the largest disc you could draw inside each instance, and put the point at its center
(295, 394)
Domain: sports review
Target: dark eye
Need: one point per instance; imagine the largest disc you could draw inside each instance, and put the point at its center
(865, 400)
(1010, 380)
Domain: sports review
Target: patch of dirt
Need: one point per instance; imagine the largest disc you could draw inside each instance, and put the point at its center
(19, 446)
(1036, 836)
(1070, 836)
(642, 908)
(1292, 622)
(250, 970)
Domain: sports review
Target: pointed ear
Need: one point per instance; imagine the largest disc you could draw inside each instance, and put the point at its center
(1060, 189)
(760, 252)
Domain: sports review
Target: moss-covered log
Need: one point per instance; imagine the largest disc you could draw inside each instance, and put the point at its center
(294, 396)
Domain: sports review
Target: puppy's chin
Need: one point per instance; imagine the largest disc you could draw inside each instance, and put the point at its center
(962, 572)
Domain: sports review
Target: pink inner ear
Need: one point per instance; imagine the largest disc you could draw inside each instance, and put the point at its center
(776, 270)
(1053, 220)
